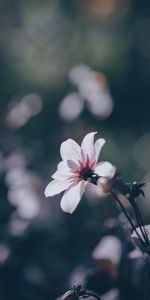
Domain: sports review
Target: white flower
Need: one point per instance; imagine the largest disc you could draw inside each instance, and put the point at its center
(78, 167)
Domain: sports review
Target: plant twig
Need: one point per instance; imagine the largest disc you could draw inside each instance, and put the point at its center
(127, 216)
(89, 293)
(141, 223)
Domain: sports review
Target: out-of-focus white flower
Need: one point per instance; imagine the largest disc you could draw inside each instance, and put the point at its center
(79, 73)
(111, 295)
(100, 103)
(78, 167)
(109, 248)
(20, 112)
(22, 189)
(135, 254)
(71, 107)
(92, 92)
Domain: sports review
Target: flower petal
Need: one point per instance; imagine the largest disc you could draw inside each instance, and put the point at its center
(63, 171)
(98, 146)
(72, 165)
(105, 169)
(70, 150)
(87, 145)
(72, 197)
(62, 174)
(61, 164)
(57, 186)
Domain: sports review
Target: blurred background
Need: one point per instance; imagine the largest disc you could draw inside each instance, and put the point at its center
(68, 67)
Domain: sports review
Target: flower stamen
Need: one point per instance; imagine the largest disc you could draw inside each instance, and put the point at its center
(88, 174)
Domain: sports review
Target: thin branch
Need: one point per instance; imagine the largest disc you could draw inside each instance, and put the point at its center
(141, 223)
(89, 293)
(127, 216)
(146, 292)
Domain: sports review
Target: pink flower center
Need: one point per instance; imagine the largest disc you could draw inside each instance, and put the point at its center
(87, 164)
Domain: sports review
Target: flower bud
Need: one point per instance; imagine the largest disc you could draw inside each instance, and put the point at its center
(105, 184)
